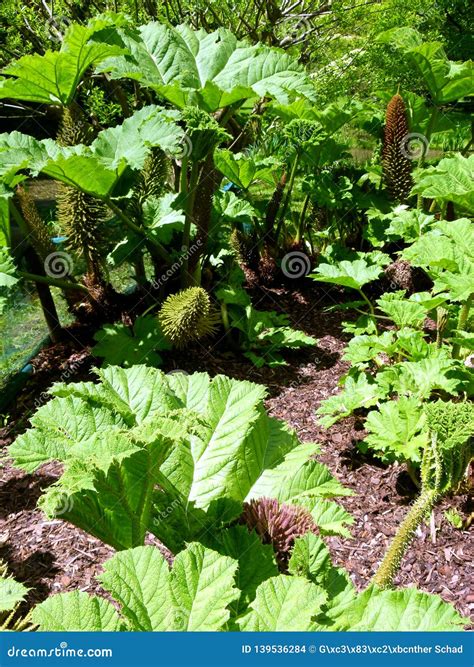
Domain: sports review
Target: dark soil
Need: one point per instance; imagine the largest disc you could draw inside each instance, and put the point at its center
(54, 556)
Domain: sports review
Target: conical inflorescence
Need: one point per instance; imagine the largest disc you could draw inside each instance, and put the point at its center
(396, 161)
(80, 215)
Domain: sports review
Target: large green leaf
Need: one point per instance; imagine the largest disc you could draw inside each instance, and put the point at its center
(366, 347)
(76, 166)
(311, 558)
(125, 346)
(53, 78)
(76, 612)
(421, 378)
(7, 269)
(407, 610)
(256, 561)
(396, 429)
(110, 469)
(199, 593)
(202, 587)
(447, 81)
(283, 604)
(95, 169)
(359, 393)
(11, 593)
(176, 455)
(452, 179)
(353, 274)
(211, 71)
(57, 426)
(194, 595)
(128, 144)
(446, 252)
(242, 169)
(403, 312)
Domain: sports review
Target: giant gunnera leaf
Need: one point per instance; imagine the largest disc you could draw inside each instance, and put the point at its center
(53, 78)
(200, 591)
(451, 180)
(193, 595)
(176, 455)
(209, 70)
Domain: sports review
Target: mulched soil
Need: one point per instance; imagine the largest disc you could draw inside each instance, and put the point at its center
(54, 556)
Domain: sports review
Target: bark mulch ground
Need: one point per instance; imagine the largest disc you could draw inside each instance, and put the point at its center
(54, 556)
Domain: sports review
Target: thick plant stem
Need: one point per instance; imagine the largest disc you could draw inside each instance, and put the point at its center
(274, 206)
(302, 220)
(53, 282)
(388, 568)
(369, 304)
(190, 192)
(48, 306)
(462, 321)
(207, 185)
(286, 203)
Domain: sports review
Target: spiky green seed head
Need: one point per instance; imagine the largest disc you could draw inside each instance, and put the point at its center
(151, 182)
(395, 162)
(36, 225)
(74, 128)
(188, 316)
(301, 132)
(81, 217)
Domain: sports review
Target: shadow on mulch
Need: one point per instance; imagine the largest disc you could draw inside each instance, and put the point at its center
(353, 458)
(405, 486)
(34, 571)
(22, 493)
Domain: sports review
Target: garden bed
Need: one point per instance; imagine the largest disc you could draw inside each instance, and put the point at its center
(54, 556)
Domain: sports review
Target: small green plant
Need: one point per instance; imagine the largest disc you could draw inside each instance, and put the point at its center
(454, 518)
(262, 335)
(391, 355)
(443, 467)
(140, 343)
(12, 594)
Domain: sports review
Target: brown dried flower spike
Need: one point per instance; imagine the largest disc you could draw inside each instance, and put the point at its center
(395, 161)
